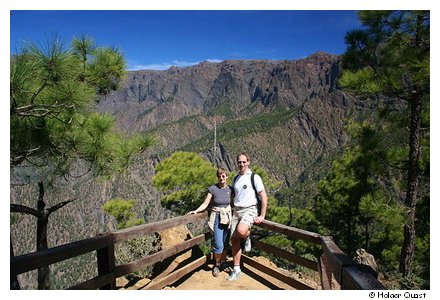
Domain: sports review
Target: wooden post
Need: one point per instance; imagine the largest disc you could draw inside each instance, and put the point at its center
(106, 264)
(325, 273)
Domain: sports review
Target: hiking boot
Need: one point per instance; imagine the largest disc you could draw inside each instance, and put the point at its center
(215, 271)
(247, 244)
(233, 276)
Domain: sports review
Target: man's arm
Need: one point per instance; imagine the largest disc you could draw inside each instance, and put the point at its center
(262, 215)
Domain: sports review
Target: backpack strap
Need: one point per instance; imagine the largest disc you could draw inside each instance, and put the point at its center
(256, 193)
(235, 179)
(253, 186)
(253, 183)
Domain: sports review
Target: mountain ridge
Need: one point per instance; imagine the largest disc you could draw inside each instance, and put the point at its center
(167, 96)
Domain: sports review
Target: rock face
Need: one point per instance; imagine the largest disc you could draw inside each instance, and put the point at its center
(151, 98)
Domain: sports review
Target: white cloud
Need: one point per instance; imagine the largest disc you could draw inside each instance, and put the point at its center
(167, 65)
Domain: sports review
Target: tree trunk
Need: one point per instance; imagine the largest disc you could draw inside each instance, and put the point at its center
(42, 221)
(42, 214)
(407, 252)
(15, 284)
(409, 232)
(367, 235)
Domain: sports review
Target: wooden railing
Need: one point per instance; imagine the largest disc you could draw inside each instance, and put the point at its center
(332, 264)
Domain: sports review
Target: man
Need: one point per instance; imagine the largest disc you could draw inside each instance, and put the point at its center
(245, 210)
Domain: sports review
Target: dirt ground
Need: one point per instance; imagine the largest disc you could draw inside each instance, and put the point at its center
(203, 280)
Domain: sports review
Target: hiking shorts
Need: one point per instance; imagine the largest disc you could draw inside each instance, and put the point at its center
(244, 215)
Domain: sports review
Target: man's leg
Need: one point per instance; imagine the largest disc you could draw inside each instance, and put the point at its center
(240, 232)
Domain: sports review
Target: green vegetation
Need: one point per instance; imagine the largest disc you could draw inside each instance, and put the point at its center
(122, 211)
(185, 176)
(234, 129)
(358, 190)
(223, 109)
(391, 57)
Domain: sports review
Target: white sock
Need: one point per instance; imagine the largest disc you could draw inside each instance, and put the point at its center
(237, 269)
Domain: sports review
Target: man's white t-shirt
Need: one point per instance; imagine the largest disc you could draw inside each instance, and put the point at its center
(244, 193)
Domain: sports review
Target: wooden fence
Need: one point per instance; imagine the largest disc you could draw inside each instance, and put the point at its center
(333, 264)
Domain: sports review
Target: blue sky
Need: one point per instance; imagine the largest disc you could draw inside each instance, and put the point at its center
(159, 39)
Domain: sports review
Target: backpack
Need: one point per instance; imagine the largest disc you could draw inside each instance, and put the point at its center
(255, 189)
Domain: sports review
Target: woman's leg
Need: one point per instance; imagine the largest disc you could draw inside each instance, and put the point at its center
(218, 239)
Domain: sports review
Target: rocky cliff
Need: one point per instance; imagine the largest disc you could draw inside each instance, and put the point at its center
(150, 98)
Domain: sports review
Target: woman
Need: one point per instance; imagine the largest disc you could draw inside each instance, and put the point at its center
(220, 195)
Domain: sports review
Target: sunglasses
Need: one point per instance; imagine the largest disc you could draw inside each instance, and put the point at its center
(241, 162)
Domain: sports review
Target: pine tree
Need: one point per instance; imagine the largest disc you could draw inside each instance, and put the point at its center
(122, 211)
(53, 127)
(185, 177)
(390, 57)
(357, 202)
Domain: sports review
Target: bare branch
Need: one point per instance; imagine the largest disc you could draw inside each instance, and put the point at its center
(59, 205)
(41, 110)
(34, 96)
(25, 210)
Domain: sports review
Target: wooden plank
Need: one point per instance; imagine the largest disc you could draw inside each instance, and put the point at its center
(177, 274)
(136, 231)
(274, 273)
(94, 283)
(355, 277)
(106, 265)
(325, 273)
(144, 262)
(31, 261)
(292, 231)
(313, 265)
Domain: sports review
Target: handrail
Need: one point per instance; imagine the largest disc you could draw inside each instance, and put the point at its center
(31, 261)
(292, 231)
(333, 262)
(349, 274)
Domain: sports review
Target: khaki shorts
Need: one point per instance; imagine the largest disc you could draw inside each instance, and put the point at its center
(244, 215)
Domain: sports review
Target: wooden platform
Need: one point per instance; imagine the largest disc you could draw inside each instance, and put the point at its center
(250, 279)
